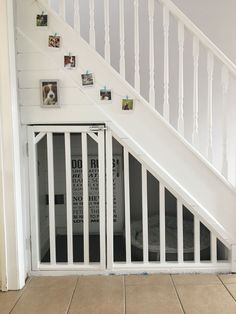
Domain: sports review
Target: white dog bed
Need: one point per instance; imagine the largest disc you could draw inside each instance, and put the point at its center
(171, 234)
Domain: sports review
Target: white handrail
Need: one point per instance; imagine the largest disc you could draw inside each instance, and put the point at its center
(201, 36)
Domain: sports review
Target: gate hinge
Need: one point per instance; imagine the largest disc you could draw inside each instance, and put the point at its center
(96, 128)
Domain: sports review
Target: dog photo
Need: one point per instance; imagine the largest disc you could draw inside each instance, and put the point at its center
(54, 41)
(49, 93)
(69, 62)
(105, 94)
(42, 20)
(87, 79)
(127, 104)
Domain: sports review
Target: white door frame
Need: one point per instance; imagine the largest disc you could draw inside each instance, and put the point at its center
(33, 139)
(12, 243)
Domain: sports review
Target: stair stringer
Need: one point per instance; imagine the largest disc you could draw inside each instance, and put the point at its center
(162, 149)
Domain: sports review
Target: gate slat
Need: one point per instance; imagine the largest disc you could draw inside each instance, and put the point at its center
(85, 197)
(69, 198)
(162, 224)
(51, 197)
(145, 214)
(101, 165)
(196, 240)
(180, 231)
(127, 205)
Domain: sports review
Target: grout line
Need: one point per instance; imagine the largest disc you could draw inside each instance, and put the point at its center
(21, 293)
(124, 285)
(226, 288)
(176, 291)
(73, 293)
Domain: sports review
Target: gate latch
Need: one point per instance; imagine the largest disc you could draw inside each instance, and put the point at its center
(96, 128)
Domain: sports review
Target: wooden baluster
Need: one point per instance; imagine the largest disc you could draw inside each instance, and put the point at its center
(180, 231)
(213, 248)
(197, 247)
(151, 8)
(181, 78)
(136, 46)
(195, 135)
(145, 214)
(166, 24)
(225, 87)
(162, 215)
(91, 24)
(62, 9)
(127, 206)
(210, 69)
(122, 39)
(76, 16)
(107, 31)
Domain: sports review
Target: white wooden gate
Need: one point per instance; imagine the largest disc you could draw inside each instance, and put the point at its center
(63, 194)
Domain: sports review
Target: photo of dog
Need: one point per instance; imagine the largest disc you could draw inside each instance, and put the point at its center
(69, 62)
(105, 94)
(54, 41)
(49, 93)
(42, 20)
(127, 104)
(87, 79)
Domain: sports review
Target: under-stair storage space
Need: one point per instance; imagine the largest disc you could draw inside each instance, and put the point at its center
(132, 221)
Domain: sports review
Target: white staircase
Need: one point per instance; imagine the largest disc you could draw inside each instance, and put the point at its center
(188, 167)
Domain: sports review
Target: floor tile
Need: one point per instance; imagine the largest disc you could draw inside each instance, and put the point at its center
(152, 300)
(207, 299)
(232, 289)
(49, 298)
(8, 300)
(196, 279)
(228, 278)
(147, 280)
(47, 282)
(99, 294)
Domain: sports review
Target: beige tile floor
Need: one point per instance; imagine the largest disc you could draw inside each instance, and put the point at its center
(146, 294)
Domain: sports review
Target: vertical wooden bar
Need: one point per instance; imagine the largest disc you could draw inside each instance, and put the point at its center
(213, 248)
(145, 214)
(151, 9)
(195, 135)
(136, 46)
(127, 206)
(162, 224)
(91, 24)
(85, 197)
(69, 198)
(77, 16)
(225, 88)
(181, 78)
(180, 231)
(166, 23)
(51, 197)
(122, 38)
(196, 240)
(107, 31)
(109, 190)
(62, 9)
(102, 218)
(34, 217)
(210, 69)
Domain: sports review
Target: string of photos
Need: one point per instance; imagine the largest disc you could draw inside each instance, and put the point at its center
(50, 97)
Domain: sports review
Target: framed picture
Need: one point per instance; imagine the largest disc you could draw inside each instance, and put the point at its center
(105, 94)
(87, 79)
(54, 41)
(42, 20)
(69, 62)
(49, 93)
(127, 104)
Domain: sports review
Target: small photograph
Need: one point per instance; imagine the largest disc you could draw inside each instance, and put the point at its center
(105, 94)
(127, 104)
(69, 62)
(49, 93)
(54, 41)
(87, 79)
(42, 20)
